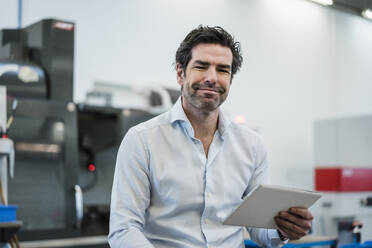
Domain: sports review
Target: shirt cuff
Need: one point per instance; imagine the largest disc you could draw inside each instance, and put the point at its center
(275, 239)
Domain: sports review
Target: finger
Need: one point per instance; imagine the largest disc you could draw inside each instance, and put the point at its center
(295, 219)
(290, 234)
(302, 212)
(283, 232)
(290, 227)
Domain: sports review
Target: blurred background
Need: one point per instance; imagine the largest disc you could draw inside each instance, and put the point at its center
(104, 66)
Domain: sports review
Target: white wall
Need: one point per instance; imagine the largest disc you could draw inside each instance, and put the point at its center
(302, 61)
(8, 14)
(353, 65)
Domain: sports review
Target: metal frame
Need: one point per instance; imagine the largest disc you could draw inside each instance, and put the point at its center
(67, 114)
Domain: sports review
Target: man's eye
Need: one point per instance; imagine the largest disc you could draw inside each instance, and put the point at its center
(224, 71)
(199, 67)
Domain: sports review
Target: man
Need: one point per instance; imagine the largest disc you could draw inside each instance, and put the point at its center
(179, 175)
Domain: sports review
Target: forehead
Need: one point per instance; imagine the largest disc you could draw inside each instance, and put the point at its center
(212, 53)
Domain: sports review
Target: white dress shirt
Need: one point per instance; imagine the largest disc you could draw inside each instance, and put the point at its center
(167, 194)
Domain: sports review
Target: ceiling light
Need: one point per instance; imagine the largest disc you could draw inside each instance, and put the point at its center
(324, 2)
(367, 13)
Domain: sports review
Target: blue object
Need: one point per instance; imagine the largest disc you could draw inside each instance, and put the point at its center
(331, 242)
(311, 244)
(19, 13)
(367, 244)
(349, 246)
(250, 244)
(7, 213)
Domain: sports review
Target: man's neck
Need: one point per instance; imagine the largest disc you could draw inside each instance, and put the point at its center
(204, 123)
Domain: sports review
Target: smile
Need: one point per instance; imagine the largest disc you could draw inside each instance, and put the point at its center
(209, 90)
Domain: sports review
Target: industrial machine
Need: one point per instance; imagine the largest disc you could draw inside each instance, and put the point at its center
(65, 152)
(36, 66)
(101, 130)
(45, 137)
(103, 120)
(342, 150)
(38, 61)
(8, 223)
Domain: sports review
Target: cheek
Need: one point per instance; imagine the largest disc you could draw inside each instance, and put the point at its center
(185, 88)
(196, 76)
(226, 84)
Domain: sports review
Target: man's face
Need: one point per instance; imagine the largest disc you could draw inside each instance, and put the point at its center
(206, 82)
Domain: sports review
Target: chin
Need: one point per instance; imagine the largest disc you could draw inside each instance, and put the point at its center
(208, 105)
(204, 103)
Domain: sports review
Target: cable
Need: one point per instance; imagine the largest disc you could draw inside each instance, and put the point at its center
(12, 114)
(90, 184)
(2, 196)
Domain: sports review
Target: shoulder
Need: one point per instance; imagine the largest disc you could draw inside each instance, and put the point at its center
(244, 131)
(138, 135)
(245, 136)
(152, 124)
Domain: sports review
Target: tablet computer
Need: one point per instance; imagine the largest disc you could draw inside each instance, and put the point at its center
(264, 202)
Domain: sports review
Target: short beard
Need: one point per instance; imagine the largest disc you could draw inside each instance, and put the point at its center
(190, 95)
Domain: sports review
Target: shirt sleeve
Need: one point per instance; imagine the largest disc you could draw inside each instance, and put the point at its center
(265, 237)
(130, 195)
(262, 237)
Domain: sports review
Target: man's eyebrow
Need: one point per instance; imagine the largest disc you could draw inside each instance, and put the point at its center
(200, 62)
(224, 66)
(204, 63)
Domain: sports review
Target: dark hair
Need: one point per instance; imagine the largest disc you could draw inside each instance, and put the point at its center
(209, 35)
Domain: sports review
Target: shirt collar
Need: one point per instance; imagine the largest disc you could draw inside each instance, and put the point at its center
(178, 114)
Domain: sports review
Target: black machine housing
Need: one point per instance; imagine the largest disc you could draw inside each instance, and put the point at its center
(38, 60)
(101, 130)
(55, 139)
(36, 66)
(46, 150)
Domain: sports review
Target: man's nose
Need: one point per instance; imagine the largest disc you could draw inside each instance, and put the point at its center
(211, 75)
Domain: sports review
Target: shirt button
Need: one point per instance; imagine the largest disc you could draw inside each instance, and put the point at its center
(208, 195)
(206, 221)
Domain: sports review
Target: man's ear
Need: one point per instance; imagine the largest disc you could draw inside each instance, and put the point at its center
(180, 74)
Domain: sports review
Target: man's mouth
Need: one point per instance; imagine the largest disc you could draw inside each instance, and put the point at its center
(199, 87)
(209, 90)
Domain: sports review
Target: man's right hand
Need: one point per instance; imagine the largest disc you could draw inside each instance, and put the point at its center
(294, 223)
